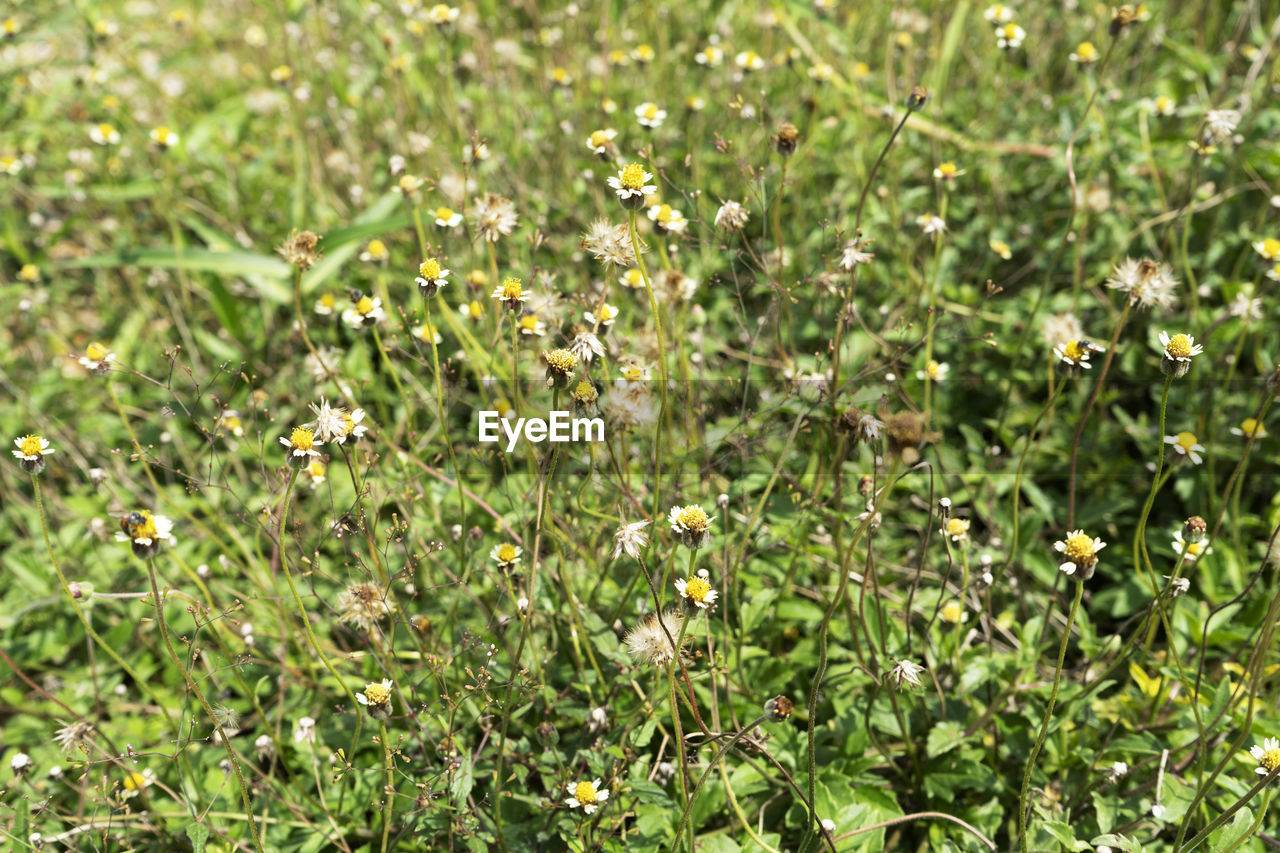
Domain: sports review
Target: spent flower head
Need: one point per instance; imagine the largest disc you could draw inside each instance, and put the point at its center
(1148, 283)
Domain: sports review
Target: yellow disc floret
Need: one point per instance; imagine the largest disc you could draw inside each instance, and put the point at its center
(302, 439)
(1179, 346)
(632, 177)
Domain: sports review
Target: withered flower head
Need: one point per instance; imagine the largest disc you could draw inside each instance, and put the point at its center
(300, 249)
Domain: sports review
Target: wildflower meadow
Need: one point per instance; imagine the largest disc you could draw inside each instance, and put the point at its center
(582, 425)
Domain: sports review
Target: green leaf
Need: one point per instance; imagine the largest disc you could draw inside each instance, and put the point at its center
(944, 737)
(265, 272)
(199, 835)
(1228, 837)
(1065, 835)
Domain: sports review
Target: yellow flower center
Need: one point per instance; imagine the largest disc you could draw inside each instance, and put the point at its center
(429, 269)
(506, 553)
(560, 75)
(585, 392)
(585, 792)
(1249, 426)
(512, 289)
(427, 333)
(933, 369)
(328, 300)
(696, 589)
(1271, 248)
(1086, 51)
(529, 322)
(475, 309)
(145, 530)
(106, 131)
(1179, 346)
(316, 470)
(1010, 31)
(377, 694)
(665, 214)
(445, 213)
(948, 169)
(957, 527)
(1186, 440)
(634, 278)
(632, 177)
(952, 612)
(1270, 760)
(302, 439)
(1164, 104)
(95, 352)
(348, 425)
(30, 446)
(232, 423)
(1194, 548)
(560, 360)
(29, 272)
(364, 305)
(1079, 548)
(1074, 351)
(693, 518)
(599, 139)
(135, 781)
(377, 249)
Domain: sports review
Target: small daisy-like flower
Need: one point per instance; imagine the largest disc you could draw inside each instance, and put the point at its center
(643, 54)
(947, 172)
(1250, 428)
(822, 72)
(97, 357)
(163, 138)
(1148, 283)
(1268, 248)
(281, 74)
(630, 539)
(587, 795)
(934, 371)
(608, 314)
(1085, 53)
(364, 311)
(408, 184)
(906, 672)
(32, 449)
(494, 216)
(29, 273)
(957, 529)
(507, 556)
(511, 293)
(696, 592)
(104, 134)
(315, 473)
(560, 366)
(931, 224)
(1074, 354)
(691, 524)
(732, 216)
(1267, 756)
(375, 252)
(667, 218)
(135, 783)
(10, 165)
(1179, 349)
(601, 141)
(447, 217)
(710, 56)
(302, 446)
(650, 641)
(953, 613)
(1163, 105)
(442, 15)
(326, 304)
(1081, 552)
(855, 253)
(377, 698)
(530, 326)
(304, 731)
(1186, 446)
(631, 185)
(1010, 36)
(749, 60)
(431, 277)
(472, 310)
(1190, 551)
(230, 421)
(144, 532)
(998, 14)
(1001, 248)
(650, 115)
(633, 279)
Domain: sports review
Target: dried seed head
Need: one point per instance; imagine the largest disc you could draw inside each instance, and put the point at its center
(787, 139)
(300, 249)
(917, 98)
(779, 708)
